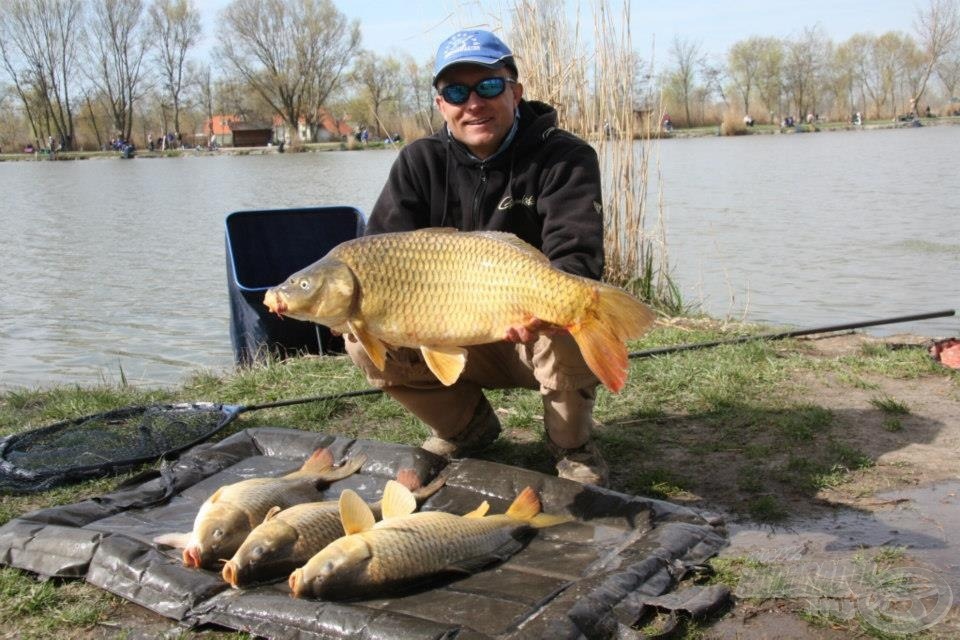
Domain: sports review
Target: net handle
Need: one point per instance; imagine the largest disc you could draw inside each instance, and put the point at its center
(287, 403)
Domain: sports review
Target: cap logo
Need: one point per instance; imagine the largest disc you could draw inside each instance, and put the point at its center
(460, 43)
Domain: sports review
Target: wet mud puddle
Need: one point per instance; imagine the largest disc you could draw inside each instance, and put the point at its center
(897, 564)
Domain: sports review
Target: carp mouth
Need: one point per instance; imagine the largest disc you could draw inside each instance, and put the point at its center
(230, 574)
(192, 557)
(275, 303)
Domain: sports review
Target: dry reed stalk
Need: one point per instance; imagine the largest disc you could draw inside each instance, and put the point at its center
(595, 96)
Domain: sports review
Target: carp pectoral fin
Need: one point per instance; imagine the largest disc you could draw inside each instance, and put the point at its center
(474, 564)
(446, 363)
(372, 345)
(355, 514)
(397, 500)
(480, 511)
(176, 540)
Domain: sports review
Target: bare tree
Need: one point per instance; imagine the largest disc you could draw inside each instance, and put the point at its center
(804, 68)
(118, 46)
(938, 29)
(203, 81)
(291, 52)
(948, 70)
(176, 25)
(770, 52)
(744, 63)
(38, 46)
(379, 79)
(419, 94)
(681, 80)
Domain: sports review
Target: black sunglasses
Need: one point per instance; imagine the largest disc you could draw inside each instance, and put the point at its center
(486, 88)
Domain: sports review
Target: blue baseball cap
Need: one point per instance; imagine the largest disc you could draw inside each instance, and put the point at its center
(473, 46)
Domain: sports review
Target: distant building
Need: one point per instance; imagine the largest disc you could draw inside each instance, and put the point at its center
(218, 127)
(247, 134)
(328, 128)
(229, 130)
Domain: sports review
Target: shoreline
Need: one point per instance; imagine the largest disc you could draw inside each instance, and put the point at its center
(316, 147)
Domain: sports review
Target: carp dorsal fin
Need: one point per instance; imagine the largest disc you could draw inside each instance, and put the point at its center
(274, 510)
(436, 230)
(397, 500)
(176, 540)
(480, 511)
(355, 514)
(515, 242)
(372, 345)
(446, 363)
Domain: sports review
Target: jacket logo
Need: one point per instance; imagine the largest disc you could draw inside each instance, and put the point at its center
(508, 203)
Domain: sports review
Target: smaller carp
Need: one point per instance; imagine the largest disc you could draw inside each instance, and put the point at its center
(227, 517)
(398, 551)
(287, 538)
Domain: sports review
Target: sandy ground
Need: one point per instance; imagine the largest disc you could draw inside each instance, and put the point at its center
(876, 556)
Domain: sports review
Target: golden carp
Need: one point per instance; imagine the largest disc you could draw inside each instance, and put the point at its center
(440, 290)
(397, 551)
(227, 517)
(287, 538)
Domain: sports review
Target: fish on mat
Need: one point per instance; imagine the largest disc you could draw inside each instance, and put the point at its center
(439, 290)
(381, 556)
(287, 538)
(227, 517)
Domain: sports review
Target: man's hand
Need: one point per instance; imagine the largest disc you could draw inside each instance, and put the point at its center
(530, 331)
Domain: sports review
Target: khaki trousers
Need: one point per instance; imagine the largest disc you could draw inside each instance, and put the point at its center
(552, 365)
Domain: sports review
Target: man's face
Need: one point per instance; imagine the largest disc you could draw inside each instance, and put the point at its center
(479, 123)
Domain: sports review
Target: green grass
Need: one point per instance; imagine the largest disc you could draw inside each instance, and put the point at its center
(890, 406)
(731, 426)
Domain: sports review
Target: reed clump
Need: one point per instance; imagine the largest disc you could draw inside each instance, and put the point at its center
(596, 96)
(732, 124)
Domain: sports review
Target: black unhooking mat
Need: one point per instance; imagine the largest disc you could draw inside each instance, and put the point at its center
(585, 579)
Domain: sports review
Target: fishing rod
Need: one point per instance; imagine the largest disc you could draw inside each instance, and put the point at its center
(656, 351)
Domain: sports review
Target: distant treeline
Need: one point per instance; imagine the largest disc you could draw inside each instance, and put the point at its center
(85, 73)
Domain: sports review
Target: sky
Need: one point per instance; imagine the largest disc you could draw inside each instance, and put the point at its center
(417, 27)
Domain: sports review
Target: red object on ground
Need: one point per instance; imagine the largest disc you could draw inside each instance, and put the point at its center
(947, 352)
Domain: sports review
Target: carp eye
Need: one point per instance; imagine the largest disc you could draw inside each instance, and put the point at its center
(217, 534)
(257, 552)
(304, 284)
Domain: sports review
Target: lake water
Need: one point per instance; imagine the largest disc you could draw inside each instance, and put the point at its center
(110, 266)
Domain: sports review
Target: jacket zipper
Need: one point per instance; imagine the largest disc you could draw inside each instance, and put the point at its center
(478, 196)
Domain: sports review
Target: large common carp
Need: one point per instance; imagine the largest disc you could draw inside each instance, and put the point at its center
(440, 290)
(287, 538)
(397, 551)
(227, 517)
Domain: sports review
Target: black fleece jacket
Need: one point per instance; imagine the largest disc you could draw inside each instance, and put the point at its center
(544, 187)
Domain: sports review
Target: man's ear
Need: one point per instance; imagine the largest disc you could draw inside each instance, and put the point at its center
(517, 93)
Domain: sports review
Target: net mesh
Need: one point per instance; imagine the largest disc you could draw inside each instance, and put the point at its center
(104, 443)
